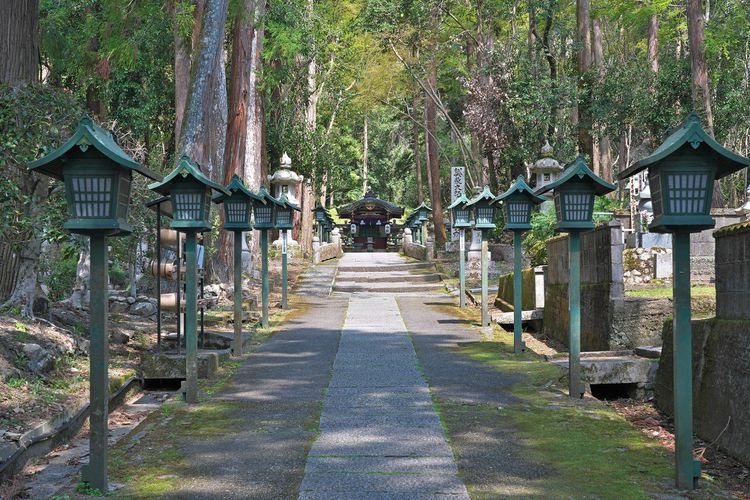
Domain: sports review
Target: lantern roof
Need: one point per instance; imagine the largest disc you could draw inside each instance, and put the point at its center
(186, 168)
(520, 187)
(283, 201)
(578, 169)
(486, 195)
(235, 186)
(691, 132)
(319, 208)
(461, 200)
(422, 206)
(88, 134)
(266, 197)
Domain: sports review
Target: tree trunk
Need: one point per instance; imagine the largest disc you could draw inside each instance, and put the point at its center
(583, 29)
(603, 147)
(417, 152)
(365, 144)
(19, 65)
(307, 198)
(653, 43)
(699, 68)
(237, 129)
(198, 138)
(19, 41)
(433, 165)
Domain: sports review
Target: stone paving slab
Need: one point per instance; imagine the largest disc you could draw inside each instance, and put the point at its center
(379, 434)
(384, 465)
(385, 483)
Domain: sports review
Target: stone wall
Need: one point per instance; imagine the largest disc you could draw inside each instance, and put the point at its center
(415, 250)
(505, 291)
(733, 272)
(601, 282)
(330, 251)
(721, 385)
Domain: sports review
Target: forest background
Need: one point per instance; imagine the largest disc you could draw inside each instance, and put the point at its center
(380, 94)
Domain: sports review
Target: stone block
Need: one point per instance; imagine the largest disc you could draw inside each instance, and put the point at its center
(721, 389)
(663, 266)
(172, 366)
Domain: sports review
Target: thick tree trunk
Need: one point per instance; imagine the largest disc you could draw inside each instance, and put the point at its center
(19, 41)
(583, 29)
(603, 146)
(305, 234)
(699, 67)
(433, 165)
(198, 138)
(19, 65)
(239, 96)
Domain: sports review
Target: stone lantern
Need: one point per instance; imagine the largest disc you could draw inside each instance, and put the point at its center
(285, 181)
(546, 169)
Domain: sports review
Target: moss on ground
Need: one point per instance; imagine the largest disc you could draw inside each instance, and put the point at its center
(592, 451)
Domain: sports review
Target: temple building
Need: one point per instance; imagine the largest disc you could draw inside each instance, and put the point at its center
(370, 218)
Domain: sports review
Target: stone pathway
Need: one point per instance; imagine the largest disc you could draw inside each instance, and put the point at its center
(385, 273)
(380, 436)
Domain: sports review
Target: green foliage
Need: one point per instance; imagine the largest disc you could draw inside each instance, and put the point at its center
(542, 229)
(34, 119)
(84, 489)
(58, 271)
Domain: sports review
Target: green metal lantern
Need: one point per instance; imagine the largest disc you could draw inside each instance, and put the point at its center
(483, 209)
(238, 205)
(283, 215)
(574, 196)
(517, 202)
(97, 174)
(264, 211)
(681, 176)
(320, 213)
(190, 191)
(461, 213)
(423, 212)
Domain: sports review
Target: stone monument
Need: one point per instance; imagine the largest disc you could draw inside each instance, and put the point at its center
(286, 181)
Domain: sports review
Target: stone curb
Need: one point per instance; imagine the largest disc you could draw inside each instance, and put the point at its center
(43, 438)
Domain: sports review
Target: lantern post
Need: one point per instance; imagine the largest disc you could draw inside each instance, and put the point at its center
(97, 175)
(682, 171)
(264, 220)
(283, 220)
(238, 208)
(574, 196)
(517, 202)
(461, 221)
(423, 215)
(190, 192)
(484, 220)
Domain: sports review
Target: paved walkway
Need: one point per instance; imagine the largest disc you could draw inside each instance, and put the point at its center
(379, 434)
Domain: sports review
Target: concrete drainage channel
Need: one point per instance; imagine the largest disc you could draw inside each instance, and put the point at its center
(50, 456)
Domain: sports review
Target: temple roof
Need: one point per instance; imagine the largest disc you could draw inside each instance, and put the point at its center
(369, 203)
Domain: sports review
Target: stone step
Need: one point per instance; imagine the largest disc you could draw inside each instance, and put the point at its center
(385, 268)
(351, 287)
(397, 277)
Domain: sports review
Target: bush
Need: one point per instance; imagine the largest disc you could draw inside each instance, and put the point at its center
(542, 229)
(61, 273)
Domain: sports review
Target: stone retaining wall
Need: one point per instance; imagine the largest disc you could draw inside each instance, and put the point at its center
(733, 272)
(330, 251)
(505, 291)
(415, 250)
(721, 386)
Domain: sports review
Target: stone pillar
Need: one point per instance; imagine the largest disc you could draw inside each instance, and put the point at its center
(316, 250)
(335, 235)
(430, 244)
(407, 235)
(474, 256)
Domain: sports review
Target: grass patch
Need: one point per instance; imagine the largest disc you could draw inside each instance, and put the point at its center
(575, 439)
(666, 292)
